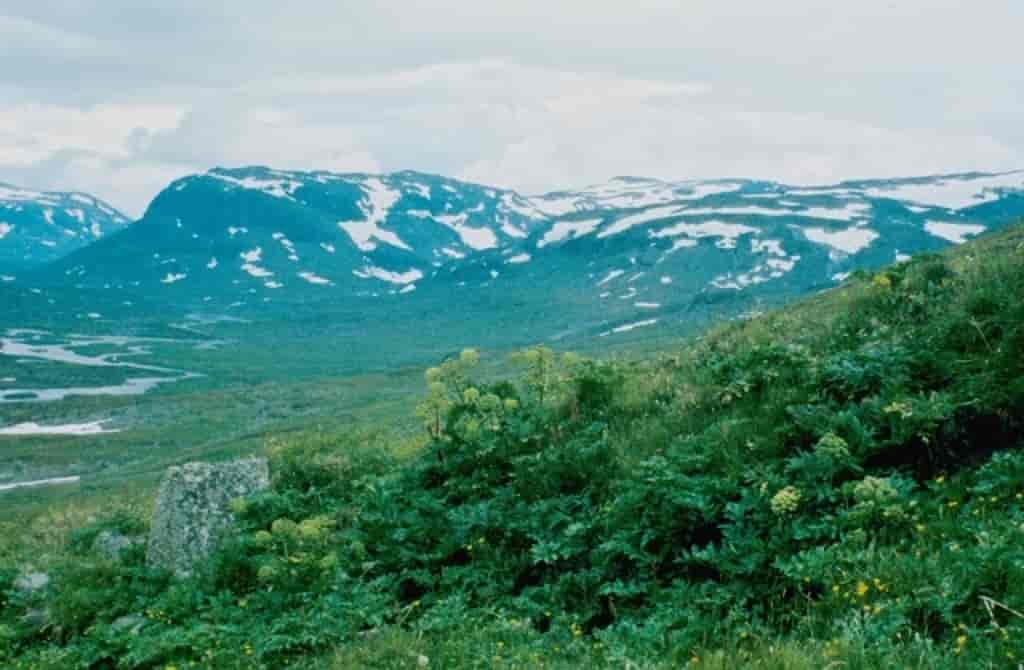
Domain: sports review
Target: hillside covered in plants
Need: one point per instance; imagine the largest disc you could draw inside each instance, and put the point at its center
(835, 484)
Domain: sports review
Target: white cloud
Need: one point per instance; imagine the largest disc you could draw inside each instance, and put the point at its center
(789, 90)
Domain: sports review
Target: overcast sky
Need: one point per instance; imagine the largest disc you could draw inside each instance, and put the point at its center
(117, 99)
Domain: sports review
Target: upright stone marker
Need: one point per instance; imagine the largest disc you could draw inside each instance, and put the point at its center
(192, 515)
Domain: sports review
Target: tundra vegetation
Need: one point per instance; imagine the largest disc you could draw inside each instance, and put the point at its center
(834, 484)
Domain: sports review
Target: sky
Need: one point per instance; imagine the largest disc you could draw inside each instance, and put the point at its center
(117, 99)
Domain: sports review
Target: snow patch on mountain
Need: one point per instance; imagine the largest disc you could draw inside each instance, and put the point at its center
(630, 326)
(281, 187)
(289, 247)
(378, 199)
(474, 238)
(954, 192)
(957, 233)
(850, 241)
(773, 247)
(512, 202)
(714, 228)
(511, 230)
(313, 278)
(374, 272)
(251, 258)
(14, 193)
(632, 220)
(563, 230)
(849, 212)
(628, 193)
(610, 276)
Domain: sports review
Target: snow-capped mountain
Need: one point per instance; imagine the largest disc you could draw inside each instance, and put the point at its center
(39, 227)
(607, 259)
(258, 229)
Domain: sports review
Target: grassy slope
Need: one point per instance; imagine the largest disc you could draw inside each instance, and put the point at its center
(885, 411)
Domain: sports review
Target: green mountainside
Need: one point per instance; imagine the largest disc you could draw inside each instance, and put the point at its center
(837, 483)
(609, 262)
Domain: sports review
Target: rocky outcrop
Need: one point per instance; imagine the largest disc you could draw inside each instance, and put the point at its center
(192, 515)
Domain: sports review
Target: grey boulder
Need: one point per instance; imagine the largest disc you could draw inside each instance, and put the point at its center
(192, 515)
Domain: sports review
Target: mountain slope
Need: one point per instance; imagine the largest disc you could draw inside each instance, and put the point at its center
(833, 484)
(39, 227)
(618, 260)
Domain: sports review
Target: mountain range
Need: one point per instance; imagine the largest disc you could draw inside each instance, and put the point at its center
(603, 260)
(39, 227)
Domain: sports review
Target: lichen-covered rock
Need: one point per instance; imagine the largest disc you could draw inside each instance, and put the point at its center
(192, 512)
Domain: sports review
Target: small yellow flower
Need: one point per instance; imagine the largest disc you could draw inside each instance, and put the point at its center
(862, 589)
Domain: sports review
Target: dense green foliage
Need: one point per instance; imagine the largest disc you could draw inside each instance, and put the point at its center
(838, 481)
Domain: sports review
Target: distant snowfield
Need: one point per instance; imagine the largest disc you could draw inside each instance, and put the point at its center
(10, 193)
(378, 199)
(407, 277)
(952, 192)
(32, 428)
(721, 229)
(848, 212)
(314, 278)
(283, 187)
(628, 222)
(568, 229)
(957, 233)
(473, 237)
(40, 482)
(849, 241)
(628, 193)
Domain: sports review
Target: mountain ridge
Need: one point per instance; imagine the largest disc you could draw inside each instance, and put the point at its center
(628, 254)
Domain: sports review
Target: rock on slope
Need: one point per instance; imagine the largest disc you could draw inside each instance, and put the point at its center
(192, 510)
